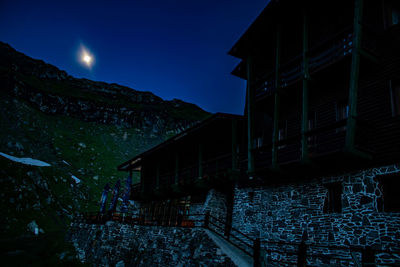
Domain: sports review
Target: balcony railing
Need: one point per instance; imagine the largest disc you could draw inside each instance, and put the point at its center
(331, 50)
(322, 141)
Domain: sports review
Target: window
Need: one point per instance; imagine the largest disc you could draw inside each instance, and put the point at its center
(395, 97)
(282, 133)
(342, 113)
(392, 10)
(333, 198)
(258, 142)
(388, 193)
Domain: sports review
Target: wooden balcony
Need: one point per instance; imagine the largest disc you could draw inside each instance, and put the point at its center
(216, 172)
(326, 147)
(330, 51)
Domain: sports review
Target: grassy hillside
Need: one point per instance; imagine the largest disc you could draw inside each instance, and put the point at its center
(81, 128)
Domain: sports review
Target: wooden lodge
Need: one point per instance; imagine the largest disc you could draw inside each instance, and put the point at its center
(323, 86)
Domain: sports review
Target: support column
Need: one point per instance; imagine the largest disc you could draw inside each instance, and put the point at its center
(142, 177)
(234, 145)
(275, 135)
(250, 118)
(201, 148)
(306, 77)
(354, 75)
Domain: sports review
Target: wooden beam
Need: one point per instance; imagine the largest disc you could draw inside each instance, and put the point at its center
(354, 75)
(142, 177)
(275, 135)
(250, 118)
(306, 77)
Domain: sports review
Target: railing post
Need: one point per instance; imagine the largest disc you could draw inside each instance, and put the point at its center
(302, 255)
(368, 257)
(206, 219)
(256, 252)
(228, 227)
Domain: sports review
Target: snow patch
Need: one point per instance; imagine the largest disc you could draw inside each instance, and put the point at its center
(66, 163)
(76, 179)
(26, 161)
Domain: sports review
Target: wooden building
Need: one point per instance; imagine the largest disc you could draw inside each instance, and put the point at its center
(180, 171)
(323, 83)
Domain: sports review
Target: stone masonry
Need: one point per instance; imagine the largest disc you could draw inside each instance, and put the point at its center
(294, 212)
(115, 244)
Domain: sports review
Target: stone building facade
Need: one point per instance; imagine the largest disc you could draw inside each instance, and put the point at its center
(293, 212)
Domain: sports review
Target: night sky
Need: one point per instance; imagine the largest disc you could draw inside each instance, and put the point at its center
(175, 49)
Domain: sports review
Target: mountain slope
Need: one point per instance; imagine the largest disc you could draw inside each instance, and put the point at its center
(82, 128)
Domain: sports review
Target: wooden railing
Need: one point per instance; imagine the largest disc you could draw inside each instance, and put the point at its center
(330, 50)
(321, 141)
(173, 220)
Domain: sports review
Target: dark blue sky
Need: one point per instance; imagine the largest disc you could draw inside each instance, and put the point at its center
(175, 49)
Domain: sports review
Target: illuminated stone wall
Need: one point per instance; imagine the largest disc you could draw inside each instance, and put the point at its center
(115, 244)
(294, 211)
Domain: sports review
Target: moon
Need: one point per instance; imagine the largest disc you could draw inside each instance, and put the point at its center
(86, 58)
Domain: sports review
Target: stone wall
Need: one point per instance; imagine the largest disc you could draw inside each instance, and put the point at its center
(115, 244)
(294, 212)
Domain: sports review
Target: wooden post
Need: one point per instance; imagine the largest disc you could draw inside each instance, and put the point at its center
(302, 255)
(306, 77)
(142, 177)
(354, 75)
(256, 252)
(275, 135)
(206, 219)
(250, 118)
(368, 256)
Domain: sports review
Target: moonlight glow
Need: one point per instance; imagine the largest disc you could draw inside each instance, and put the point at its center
(85, 57)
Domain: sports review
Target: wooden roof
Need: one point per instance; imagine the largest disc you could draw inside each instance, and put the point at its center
(212, 121)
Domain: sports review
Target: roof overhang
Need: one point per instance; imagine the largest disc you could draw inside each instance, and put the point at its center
(135, 163)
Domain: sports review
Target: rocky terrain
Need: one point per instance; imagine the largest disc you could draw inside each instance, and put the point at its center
(82, 130)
